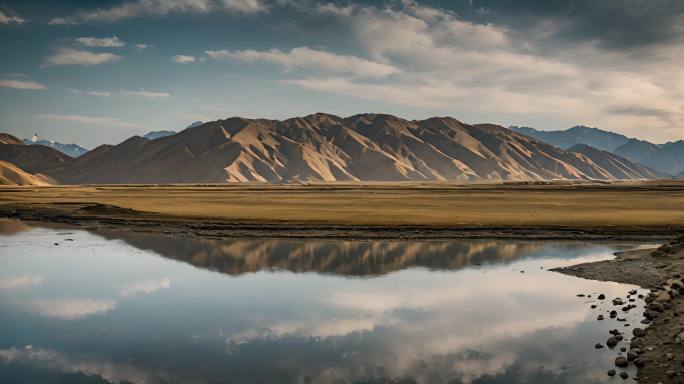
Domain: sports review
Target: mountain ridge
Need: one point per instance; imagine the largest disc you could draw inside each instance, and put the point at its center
(325, 147)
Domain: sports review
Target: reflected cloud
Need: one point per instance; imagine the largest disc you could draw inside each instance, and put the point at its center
(70, 309)
(12, 282)
(145, 287)
(47, 358)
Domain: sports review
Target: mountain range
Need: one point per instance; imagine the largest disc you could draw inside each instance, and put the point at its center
(667, 158)
(324, 147)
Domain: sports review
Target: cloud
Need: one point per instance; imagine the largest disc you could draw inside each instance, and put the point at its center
(48, 358)
(20, 81)
(92, 120)
(145, 287)
(69, 309)
(69, 56)
(12, 282)
(141, 46)
(147, 94)
(183, 59)
(105, 42)
(308, 58)
(61, 21)
(91, 93)
(7, 20)
(159, 8)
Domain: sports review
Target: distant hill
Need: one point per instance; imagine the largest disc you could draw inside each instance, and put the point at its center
(153, 135)
(323, 147)
(73, 150)
(594, 137)
(31, 158)
(668, 157)
(10, 174)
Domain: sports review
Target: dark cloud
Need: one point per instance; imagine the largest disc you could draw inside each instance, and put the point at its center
(614, 24)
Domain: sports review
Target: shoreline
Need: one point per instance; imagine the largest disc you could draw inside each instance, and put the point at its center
(659, 352)
(110, 217)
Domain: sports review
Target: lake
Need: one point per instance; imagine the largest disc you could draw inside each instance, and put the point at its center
(82, 306)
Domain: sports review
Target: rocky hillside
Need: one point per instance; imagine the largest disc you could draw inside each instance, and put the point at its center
(323, 147)
(30, 158)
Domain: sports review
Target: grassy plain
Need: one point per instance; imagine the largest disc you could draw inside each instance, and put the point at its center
(647, 204)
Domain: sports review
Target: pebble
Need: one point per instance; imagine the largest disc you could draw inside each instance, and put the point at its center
(639, 332)
(612, 342)
(598, 346)
(624, 375)
(599, 318)
(601, 296)
(611, 373)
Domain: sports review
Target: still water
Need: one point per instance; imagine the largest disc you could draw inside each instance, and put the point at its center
(96, 307)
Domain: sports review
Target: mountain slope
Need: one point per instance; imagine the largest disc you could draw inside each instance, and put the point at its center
(594, 137)
(10, 174)
(323, 147)
(619, 167)
(667, 157)
(31, 158)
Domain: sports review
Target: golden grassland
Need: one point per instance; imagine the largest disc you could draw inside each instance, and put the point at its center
(657, 203)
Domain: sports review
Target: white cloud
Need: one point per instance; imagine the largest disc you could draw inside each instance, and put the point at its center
(105, 42)
(308, 58)
(141, 8)
(92, 120)
(69, 309)
(6, 20)
(91, 93)
(183, 59)
(141, 46)
(12, 282)
(148, 94)
(19, 81)
(69, 56)
(145, 287)
(61, 21)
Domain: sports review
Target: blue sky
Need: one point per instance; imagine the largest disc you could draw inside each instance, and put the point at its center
(95, 72)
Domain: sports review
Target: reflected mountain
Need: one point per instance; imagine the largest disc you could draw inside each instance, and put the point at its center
(338, 257)
(12, 227)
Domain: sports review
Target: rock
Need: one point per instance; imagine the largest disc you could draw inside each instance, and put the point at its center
(645, 321)
(612, 342)
(580, 295)
(656, 307)
(598, 346)
(639, 362)
(599, 318)
(624, 375)
(613, 314)
(639, 332)
(623, 349)
(618, 301)
(593, 306)
(601, 296)
(611, 373)
(631, 355)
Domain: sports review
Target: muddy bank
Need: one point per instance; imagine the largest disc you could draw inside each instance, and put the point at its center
(102, 216)
(659, 351)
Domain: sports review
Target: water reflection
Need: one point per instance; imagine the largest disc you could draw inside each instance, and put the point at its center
(351, 258)
(107, 308)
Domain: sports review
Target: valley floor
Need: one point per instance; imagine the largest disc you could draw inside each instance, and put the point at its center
(653, 209)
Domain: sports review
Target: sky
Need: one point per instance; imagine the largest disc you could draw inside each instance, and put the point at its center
(94, 72)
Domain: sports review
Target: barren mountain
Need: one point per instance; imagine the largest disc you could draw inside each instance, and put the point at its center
(668, 157)
(580, 134)
(322, 147)
(30, 158)
(10, 174)
(616, 165)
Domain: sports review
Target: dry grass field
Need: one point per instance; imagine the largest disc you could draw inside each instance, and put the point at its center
(648, 204)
